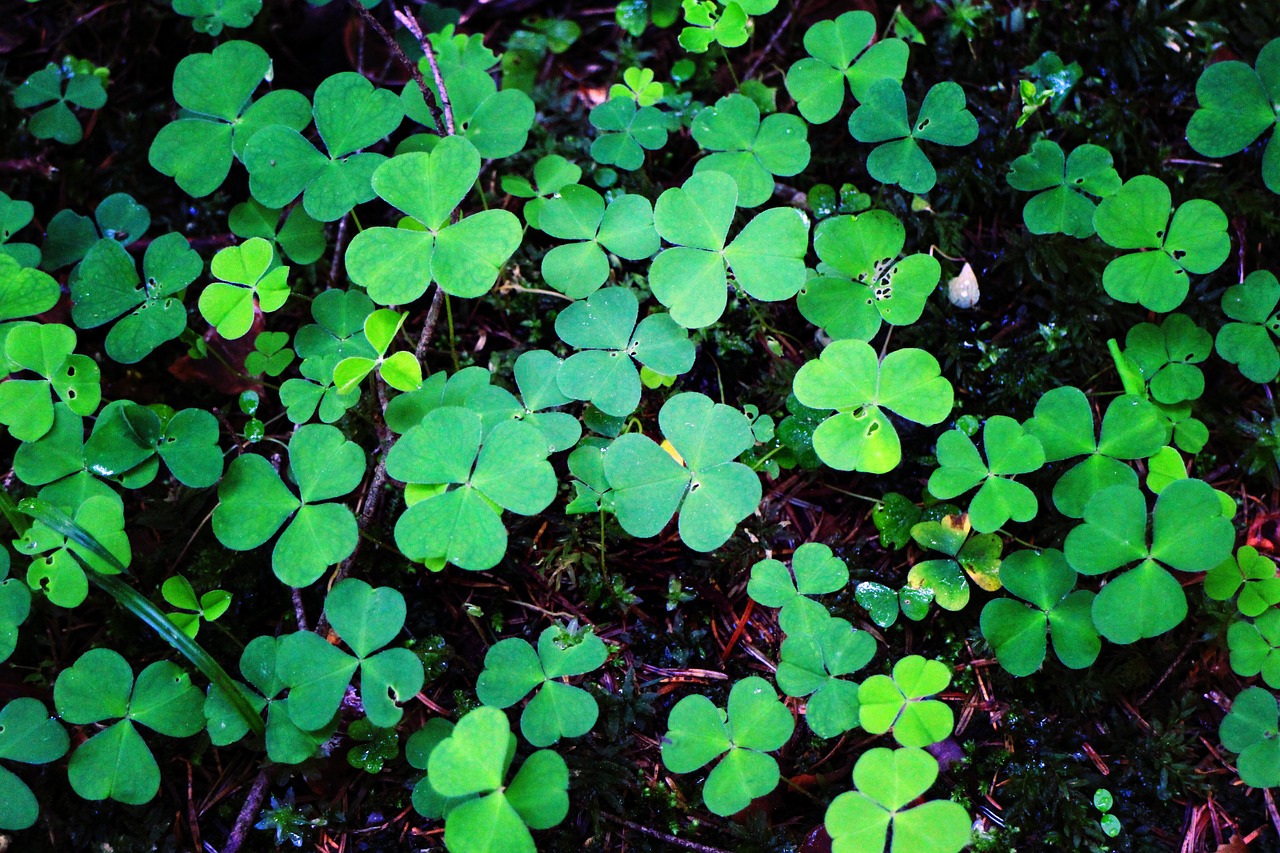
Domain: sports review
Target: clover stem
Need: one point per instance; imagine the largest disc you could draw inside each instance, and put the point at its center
(453, 343)
(729, 64)
(854, 495)
(755, 466)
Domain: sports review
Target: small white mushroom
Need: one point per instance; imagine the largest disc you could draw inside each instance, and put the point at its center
(963, 289)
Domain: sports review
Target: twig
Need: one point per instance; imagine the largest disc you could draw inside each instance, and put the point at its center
(412, 67)
(768, 48)
(248, 812)
(299, 611)
(429, 325)
(410, 23)
(654, 833)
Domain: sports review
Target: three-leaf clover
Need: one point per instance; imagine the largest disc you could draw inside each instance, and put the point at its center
(603, 328)
(14, 216)
(249, 280)
(1018, 633)
(882, 117)
(217, 121)
(210, 16)
(1170, 244)
(116, 763)
(840, 54)
(106, 285)
(1166, 356)
(1132, 428)
(814, 571)
(317, 672)
(60, 86)
(178, 591)
(1064, 186)
(812, 664)
(638, 84)
(1250, 342)
(1252, 729)
(1251, 574)
(1255, 647)
(512, 669)
(712, 491)
(350, 115)
(755, 724)
(395, 265)
(1010, 450)
(887, 780)
(400, 370)
(749, 150)
(1189, 532)
(624, 227)
(862, 278)
(766, 258)
(849, 378)
(900, 702)
(28, 735)
(126, 437)
(505, 468)
(300, 237)
(551, 174)
(625, 131)
(483, 812)
(1238, 104)
(70, 236)
(977, 556)
(48, 350)
(708, 24)
(254, 503)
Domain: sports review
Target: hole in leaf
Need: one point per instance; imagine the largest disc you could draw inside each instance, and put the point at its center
(922, 125)
(1179, 254)
(1160, 234)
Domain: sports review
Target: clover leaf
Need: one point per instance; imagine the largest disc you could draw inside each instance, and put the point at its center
(1239, 104)
(250, 281)
(285, 741)
(1132, 428)
(1017, 633)
(70, 236)
(1255, 647)
(537, 375)
(882, 117)
(350, 115)
(755, 723)
(638, 84)
(603, 328)
(106, 286)
(1010, 450)
(317, 673)
(218, 117)
(178, 592)
(61, 87)
(15, 606)
(900, 702)
(14, 216)
(625, 132)
(840, 54)
(395, 265)
(300, 237)
(486, 814)
(254, 503)
(126, 436)
(862, 278)
(1166, 356)
(271, 354)
(1064, 185)
(893, 517)
(28, 735)
(496, 122)
(1189, 533)
(749, 150)
(712, 491)
(977, 556)
(812, 664)
(862, 820)
(624, 227)
(401, 371)
(766, 258)
(210, 16)
(849, 378)
(25, 291)
(551, 174)
(48, 350)
(883, 603)
(1252, 729)
(116, 763)
(417, 751)
(512, 669)
(815, 570)
(1250, 342)
(1249, 573)
(708, 24)
(506, 468)
(1171, 244)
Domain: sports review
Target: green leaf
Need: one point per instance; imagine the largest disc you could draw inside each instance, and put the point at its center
(811, 665)
(625, 132)
(14, 216)
(1250, 342)
(1065, 185)
(899, 702)
(817, 572)
(1010, 451)
(27, 735)
(886, 781)
(25, 292)
(882, 117)
(317, 675)
(1250, 573)
(1255, 647)
(849, 378)
(1251, 729)
(840, 50)
(1238, 104)
(210, 16)
(750, 151)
